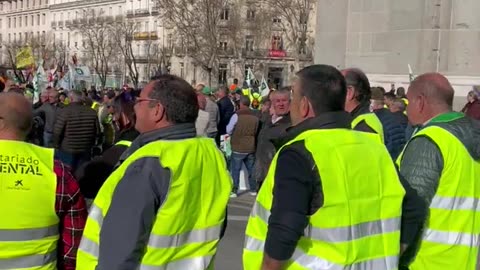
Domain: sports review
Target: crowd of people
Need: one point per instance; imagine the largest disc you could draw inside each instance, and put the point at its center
(345, 175)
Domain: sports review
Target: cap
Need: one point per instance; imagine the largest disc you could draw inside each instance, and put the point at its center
(476, 90)
(206, 90)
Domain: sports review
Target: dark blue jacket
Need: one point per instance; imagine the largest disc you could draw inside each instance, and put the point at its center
(394, 131)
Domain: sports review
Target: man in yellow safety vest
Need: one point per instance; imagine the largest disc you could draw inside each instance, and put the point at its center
(42, 210)
(164, 206)
(442, 163)
(332, 198)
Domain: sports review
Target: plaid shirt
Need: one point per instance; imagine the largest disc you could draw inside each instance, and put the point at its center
(71, 209)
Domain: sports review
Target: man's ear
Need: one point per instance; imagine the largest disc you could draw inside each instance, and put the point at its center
(159, 112)
(305, 107)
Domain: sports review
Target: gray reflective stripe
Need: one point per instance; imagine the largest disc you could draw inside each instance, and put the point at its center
(28, 261)
(451, 238)
(28, 234)
(88, 246)
(254, 244)
(455, 203)
(261, 212)
(316, 263)
(344, 234)
(198, 263)
(96, 214)
(194, 236)
(312, 262)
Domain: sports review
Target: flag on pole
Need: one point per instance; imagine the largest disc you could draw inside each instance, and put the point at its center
(24, 57)
(264, 89)
(40, 82)
(250, 77)
(410, 73)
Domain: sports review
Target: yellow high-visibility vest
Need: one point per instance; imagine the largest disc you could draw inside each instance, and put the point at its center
(451, 237)
(124, 143)
(29, 225)
(187, 229)
(358, 226)
(373, 122)
(95, 105)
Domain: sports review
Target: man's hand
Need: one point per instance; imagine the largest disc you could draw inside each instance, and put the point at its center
(271, 264)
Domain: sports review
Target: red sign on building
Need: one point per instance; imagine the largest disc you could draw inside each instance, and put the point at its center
(277, 53)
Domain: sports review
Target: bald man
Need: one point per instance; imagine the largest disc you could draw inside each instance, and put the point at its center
(442, 163)
(42, 210)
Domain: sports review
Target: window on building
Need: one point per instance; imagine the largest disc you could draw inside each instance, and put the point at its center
(250, 14)
(15, 37)
(222, 45)
(43, 37)
(20, 37)
(147, 27)
(146, 50)
(1, 23)
(25, 20)
(28, 3)
(249, 43)
(277, 44)
(119, 10)
(222, 74)
(21, 4)
(31, 20)
(303, 18)
(39, 2)
(15, 22)
(170, 41)
(182, 69)
(20, 23)
(9, 38)
(9, 22)
(1, 38)
(68, 39)
(110, 11)
(38, 19)
(224, 15)
(277, 20)
(38, 34)
(43, 18)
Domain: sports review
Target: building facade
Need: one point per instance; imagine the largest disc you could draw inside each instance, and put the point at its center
(154, 45)
(383, 37)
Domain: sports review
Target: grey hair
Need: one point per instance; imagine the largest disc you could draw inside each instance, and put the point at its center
(75, 96)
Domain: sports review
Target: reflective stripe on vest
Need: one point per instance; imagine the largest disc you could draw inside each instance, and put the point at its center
(29, 261)
(88, 246)
(451, 238)
(453, 203)
(339, 234)
(198, 263)
(124, 143)
(195, 236)
(311, 262)
(28, 234)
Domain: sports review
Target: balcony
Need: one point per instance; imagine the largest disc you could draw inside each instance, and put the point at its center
(60, 24)
(130, 13)
(119, 18)
(68, 23)
(109, 19)
(226, 52)
(145, 35)
(53, 25)
(83, 21)
(76, 22)
(141, 12)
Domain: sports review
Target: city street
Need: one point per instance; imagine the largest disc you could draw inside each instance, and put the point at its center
(229, 255)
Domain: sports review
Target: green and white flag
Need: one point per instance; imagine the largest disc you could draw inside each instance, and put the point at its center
(40, 82)
(250, 77)
(264, 89)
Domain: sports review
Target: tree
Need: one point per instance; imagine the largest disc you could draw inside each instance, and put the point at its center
(99, 41)
(198, 24)
(294, 16)
(123, 33)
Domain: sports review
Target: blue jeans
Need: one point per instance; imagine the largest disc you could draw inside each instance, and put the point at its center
(236, 161)
(47, 139)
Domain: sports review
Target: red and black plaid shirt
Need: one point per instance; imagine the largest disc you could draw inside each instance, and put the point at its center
(72, 211)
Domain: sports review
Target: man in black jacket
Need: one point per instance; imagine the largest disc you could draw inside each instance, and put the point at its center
(298, 192)
(225, 108)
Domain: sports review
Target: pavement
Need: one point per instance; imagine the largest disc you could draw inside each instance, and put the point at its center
(229, 252)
